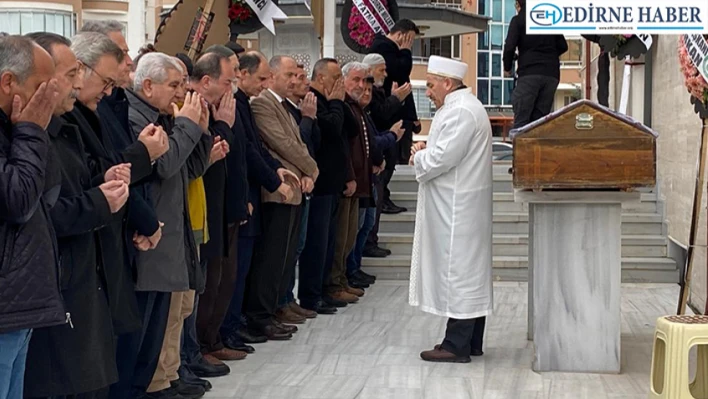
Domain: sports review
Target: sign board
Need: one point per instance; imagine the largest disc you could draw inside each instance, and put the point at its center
(616, 17)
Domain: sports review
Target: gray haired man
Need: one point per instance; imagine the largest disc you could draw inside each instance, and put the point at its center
(28, 289)
(170, 268)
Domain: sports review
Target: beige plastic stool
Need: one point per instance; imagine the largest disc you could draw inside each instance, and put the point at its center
(673, 340)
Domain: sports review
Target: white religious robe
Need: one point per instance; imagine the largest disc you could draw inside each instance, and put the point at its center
(451, 267)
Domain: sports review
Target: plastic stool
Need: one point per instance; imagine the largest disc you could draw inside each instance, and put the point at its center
(673, 340)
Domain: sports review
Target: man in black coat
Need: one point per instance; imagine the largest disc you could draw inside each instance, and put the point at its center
(265, 172)
(221, 270)
(87, 218)
(538, 68)
(29, 289)
(395, 47)
(332, 159)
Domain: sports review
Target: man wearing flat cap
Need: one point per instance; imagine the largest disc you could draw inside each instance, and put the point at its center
(451, 267)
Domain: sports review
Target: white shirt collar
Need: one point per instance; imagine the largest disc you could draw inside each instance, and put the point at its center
(277, 97)
(291, 102)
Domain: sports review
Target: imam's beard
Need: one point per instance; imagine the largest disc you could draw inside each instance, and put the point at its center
(379, 83)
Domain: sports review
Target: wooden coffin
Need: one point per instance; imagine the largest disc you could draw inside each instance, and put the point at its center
(584, 146)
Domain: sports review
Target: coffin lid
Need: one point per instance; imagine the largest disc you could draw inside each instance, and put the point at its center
(553, 115)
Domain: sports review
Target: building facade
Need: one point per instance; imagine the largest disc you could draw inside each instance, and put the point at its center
(659, 99)
(139, 17)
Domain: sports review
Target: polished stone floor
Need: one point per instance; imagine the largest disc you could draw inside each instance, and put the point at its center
(370, 351)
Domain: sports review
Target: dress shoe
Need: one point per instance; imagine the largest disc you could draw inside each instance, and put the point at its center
(355, 291)
(365, 276)
(188, 377)
(285, 327)
(287, 315)
(356, 282)
(374, 252)
(276, 334)
(308, 314)
(323, 307)
(390, 208)
(442, 356)
(473, 352)
(238, 345)
(226, 354)
(209, 367)
(169, 393)
(334, 302)
(250, 338)
(342, 295)
(188, 390)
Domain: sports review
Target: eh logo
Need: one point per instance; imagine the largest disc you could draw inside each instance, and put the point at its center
(546, 14)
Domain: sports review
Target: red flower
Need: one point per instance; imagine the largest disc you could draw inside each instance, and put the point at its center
(239, 11)
(359, 29)
(694, 81)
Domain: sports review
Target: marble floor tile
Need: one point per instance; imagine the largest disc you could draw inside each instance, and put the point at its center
(370, 350)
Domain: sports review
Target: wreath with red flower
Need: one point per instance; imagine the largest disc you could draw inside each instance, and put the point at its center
(239, 11)
(694, 81)
(359, 29)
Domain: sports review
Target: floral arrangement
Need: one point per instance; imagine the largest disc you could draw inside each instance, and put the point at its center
(359, 29)
(239, 11)
(695, 83)
(621, 41)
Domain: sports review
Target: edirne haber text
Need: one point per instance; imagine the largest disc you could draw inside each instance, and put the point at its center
(627, 15)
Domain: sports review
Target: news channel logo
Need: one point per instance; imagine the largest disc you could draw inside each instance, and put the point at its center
(610, 17)
(546, 14)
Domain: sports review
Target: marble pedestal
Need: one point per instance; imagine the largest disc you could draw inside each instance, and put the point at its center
(574, 279)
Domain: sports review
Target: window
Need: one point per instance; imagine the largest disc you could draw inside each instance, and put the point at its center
(448, 46)
(567, 100)
(574, 54)
(493, 88)
(21, 22)
(425, 107)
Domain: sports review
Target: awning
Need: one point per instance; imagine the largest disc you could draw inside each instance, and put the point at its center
(500, 112)
(434, 21)
(568, 87)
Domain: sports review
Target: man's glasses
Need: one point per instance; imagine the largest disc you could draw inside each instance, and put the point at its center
(109, 83)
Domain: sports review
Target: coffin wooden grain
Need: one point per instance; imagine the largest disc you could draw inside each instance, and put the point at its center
(584, 146)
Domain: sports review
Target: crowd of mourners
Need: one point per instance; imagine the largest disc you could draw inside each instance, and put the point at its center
(154, 213)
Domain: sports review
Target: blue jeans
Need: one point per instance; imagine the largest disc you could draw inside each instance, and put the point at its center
(290, 298)
(367, 220)
(13, 355)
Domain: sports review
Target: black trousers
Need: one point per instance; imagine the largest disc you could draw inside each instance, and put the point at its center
(99, 394)
(273, 253)
(214, 302)
(139, 352)
(391, 157)
(462, 336)
(323, 210)
(532, 98)
(603, 79)
(372, 240)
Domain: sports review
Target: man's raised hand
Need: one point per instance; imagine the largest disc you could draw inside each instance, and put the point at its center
(40, 107)
(227, 109)
(116, 193)
(192, 108)
(155, 140)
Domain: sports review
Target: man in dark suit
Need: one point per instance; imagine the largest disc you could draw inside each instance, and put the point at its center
(264, 172)
(395, 47)
(316, 258)
(302, 105)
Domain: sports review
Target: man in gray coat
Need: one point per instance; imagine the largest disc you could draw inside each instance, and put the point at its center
(172, 267)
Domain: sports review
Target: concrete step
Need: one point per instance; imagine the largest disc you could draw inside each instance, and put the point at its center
(517, 244)
(504, 202)
(514, 268)
(517, 223)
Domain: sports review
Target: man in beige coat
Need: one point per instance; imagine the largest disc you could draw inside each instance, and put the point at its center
(274, 255)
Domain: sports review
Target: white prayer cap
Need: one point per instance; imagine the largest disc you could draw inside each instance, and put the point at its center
(373, 59)
(446, 67)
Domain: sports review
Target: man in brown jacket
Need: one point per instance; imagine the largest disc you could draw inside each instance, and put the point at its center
(274, 255)
(355, 74)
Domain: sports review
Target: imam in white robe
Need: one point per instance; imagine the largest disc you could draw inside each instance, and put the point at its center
(451, 267)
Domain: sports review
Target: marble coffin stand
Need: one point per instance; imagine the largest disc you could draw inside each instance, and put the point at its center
(574, 278)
